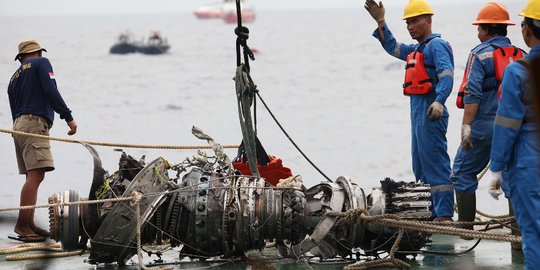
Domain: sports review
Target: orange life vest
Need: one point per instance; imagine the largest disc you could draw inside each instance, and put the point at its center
(272, 172)
(417, 80)
(502, 56)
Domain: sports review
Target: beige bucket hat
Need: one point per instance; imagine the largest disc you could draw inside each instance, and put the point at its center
(28, 46)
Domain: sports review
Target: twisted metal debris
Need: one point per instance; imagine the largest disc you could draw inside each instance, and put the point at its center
(208, 209)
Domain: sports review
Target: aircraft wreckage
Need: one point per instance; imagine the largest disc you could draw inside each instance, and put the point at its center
(209, 209)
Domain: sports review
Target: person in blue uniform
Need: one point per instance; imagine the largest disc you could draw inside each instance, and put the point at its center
(479, 98)
(428, 83)
(33, 99)
(516, 142)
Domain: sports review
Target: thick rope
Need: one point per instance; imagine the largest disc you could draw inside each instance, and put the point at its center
(66, 204)
(19, 250)
(137, 197)
(395, 221)
(493, 216)
(42, 256)
(48, 246)
(483, 172)
(119, 145)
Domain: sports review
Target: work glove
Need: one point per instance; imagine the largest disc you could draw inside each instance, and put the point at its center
(495, 181)
(466, 137)
(375, 10)
(435, 111)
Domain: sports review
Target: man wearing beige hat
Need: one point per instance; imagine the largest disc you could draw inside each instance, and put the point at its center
(33, 98)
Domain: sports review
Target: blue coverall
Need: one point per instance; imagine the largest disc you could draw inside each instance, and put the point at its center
(482, 90)
(516, 145)
(430, 160)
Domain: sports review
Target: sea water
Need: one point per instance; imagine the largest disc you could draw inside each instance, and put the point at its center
(333, 88)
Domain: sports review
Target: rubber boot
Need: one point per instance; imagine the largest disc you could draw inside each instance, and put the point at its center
(515, 246)
(466, 204)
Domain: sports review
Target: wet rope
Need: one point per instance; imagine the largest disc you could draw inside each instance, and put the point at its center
(31, 247)
(137, 197)
(361, 215)
(493, 216)
(483, 172)
(107, 144)
(26, 207)
(43, 256)
(483, 214)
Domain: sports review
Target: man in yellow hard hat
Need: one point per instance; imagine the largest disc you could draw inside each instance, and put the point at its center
(516, 144)
(478, 96)
(33, 99)
(428, 83)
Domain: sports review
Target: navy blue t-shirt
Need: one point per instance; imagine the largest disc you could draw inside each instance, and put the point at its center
(32, 90)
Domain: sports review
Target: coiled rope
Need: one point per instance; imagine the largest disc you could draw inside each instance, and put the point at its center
(107, 144)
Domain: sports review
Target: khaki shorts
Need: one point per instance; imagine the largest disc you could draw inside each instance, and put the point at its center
(32, 153)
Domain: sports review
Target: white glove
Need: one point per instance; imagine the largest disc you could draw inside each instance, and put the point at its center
(375, 10)
(466, 137)
(495, 181)
(435, 111)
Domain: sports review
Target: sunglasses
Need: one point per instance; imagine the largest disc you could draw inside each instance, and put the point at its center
(522, 24)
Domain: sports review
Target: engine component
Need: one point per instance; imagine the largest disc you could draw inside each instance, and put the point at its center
(113, 241)
(211, 210)
(64, 220)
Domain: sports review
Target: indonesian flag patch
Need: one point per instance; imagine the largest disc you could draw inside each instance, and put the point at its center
(51, 75)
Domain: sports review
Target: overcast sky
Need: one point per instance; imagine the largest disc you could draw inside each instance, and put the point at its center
(52, 7)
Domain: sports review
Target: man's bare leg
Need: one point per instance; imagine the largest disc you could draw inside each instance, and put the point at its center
(25, 223)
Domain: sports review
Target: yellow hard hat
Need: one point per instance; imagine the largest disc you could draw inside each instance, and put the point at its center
(532, 10)
(416, 8)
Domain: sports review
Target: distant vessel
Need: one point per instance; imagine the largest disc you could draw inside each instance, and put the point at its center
(211, 11)
(124, 45)
(226, 11)
(229, 12)
(156, 44)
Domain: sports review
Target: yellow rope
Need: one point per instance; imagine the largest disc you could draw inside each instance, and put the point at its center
(47, 246)
(120, 145)
(361, 215)
(483, 172)
(137, 197)
(66, 204)
(19, 250)
(42, 256)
